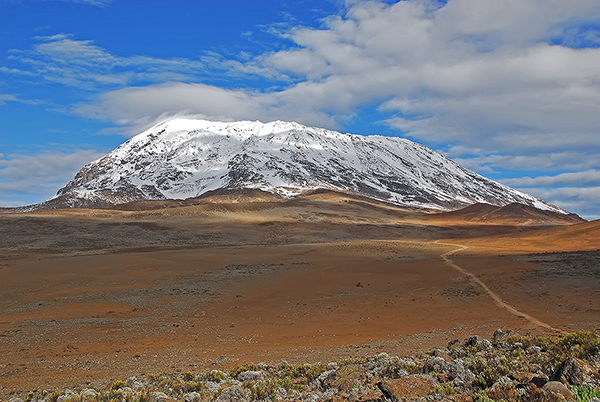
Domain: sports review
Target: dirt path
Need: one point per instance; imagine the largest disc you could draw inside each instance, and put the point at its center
(497, 299)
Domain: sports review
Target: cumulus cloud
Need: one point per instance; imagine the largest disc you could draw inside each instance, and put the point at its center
(139, 107)
(497, 84)
(478, 73)
(28, 178)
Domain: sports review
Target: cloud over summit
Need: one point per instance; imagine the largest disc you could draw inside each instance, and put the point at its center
(508, 87)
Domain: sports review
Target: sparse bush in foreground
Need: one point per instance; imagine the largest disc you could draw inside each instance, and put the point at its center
(512, 369)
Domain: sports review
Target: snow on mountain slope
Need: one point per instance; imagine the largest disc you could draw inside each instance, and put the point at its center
(185, 158)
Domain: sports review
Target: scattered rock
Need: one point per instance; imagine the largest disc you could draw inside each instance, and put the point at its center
(499, 334)
(378, 378)
(472, 341)
(522, 378)
(412, 386)
(558, 388)
(325, 379)
(574, 371)
(386, 390)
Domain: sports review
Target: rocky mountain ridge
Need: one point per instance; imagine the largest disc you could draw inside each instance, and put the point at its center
(185, 158)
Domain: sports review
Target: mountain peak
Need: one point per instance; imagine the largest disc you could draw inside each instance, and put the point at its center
(185, 158)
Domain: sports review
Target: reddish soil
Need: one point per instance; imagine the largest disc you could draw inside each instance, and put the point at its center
(262, 291)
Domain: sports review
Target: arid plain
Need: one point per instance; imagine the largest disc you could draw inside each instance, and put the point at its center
(89, 296)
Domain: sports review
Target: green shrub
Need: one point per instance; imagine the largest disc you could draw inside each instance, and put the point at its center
(481, 396)
(118, 385)
(311, 372)
(215, 376)
(54, 395)
(240, 369)
(264, 390)
(584, 394)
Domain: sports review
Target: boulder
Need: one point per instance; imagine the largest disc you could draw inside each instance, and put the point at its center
(524, 378)
(412, 386)
(575, 371)
(557, 387)
(472, 341)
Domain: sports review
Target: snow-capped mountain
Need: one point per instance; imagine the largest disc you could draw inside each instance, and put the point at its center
(185, 158)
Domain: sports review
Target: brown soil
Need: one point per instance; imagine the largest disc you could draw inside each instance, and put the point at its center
(92, 296)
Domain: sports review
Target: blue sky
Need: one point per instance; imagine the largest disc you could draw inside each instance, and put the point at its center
(508, 88)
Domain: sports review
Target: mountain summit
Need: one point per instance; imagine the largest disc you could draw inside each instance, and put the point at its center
(186, 158)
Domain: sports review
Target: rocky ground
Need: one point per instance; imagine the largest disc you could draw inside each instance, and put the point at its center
(508, 367)
(91, 297)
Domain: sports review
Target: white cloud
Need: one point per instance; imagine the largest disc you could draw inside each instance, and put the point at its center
(537, 162)
(80, 63)
(41, 175)
(500, 84)
(479, 73)
(4, 98)
(588, 177)
(142, 106)
(584, 200)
